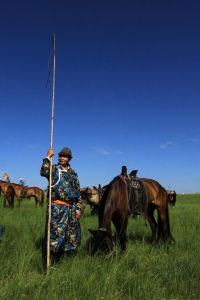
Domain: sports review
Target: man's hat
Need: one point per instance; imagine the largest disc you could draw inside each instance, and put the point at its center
(65, 152)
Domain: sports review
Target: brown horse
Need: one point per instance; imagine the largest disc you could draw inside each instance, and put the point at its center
(23, 192)
(157, 199)
(37, 193)
(8, 193)
(3, 186)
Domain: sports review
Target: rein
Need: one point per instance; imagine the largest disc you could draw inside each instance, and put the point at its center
(123, 179)
(128, 186)
(105, 230)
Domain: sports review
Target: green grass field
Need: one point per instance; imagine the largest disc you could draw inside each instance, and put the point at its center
(143, 272)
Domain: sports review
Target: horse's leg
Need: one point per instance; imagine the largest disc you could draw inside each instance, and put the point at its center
(35, 200)
(163, 224)
(160, 227)
(19, 201)
(12, 198)
(40, 200)
(121, 227)
(152, 222)
(9, 200)
(12, 201)
(4, 200)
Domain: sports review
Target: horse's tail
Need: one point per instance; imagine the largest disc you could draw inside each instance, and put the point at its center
(170, 238)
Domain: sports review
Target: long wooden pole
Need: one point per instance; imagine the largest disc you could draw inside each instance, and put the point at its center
(51, 146)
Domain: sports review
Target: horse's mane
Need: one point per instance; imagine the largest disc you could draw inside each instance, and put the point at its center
(107, 190)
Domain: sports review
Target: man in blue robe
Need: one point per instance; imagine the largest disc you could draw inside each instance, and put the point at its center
(65, 233)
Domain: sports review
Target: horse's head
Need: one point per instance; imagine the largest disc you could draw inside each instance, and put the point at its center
(92, 195)
(171, 197)
(101, 241)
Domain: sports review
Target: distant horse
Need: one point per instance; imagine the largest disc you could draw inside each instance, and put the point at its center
(112, 208)
(37, 193)
(18, 191)
(171, 196)
(8, 193)
(23, 192)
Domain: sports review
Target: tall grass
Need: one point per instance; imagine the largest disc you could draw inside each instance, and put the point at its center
(143, 272)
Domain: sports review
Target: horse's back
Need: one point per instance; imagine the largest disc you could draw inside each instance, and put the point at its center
(152, 183)
(156, 193)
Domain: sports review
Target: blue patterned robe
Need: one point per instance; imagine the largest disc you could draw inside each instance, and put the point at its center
(65, 233)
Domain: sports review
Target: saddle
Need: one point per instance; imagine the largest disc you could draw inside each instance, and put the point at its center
(135, 184)
(24, 192)
(137, 195)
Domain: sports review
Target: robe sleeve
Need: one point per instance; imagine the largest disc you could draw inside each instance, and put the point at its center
(45, 168)
(77, 185)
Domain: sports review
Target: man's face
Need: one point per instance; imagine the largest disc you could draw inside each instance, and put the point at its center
(63, 160)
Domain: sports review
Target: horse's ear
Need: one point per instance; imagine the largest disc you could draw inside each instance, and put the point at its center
(92, 231)
(83, 190)
(94, 187)
(99, 186)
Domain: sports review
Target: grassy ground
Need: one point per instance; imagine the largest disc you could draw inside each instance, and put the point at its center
(143, 272)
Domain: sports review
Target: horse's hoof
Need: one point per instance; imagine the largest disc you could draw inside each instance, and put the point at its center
(153, 240)
(170, 241)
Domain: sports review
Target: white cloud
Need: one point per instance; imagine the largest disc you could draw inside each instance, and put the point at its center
(102, 151)
(195, 139)
(165, 145)
(118, 152)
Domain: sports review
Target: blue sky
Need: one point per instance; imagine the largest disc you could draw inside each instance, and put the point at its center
(127, 89)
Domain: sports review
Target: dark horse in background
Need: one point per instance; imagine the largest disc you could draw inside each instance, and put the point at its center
(11, 190)
(171, 197)
(114, 208)
(8, 193)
